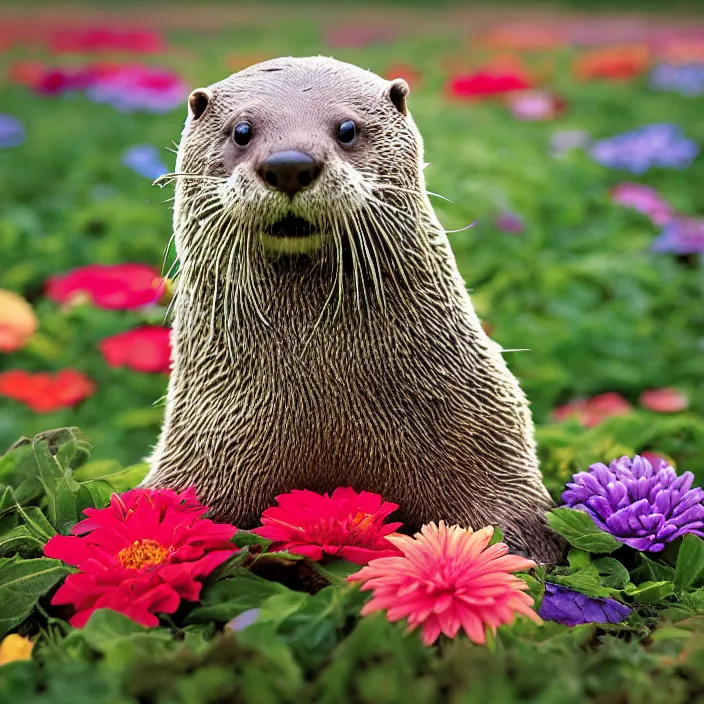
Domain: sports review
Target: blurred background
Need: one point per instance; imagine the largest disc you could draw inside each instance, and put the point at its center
(569, 133)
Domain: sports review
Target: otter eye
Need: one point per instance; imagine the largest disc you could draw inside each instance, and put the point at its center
(243, 134)
(347, 132)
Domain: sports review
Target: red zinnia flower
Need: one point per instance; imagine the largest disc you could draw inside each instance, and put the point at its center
(113, 287)
(664, 400)
(94, 39)
(346, 525)
(448, 579)
(145, 349)
(592, 411)
(141, 555)
(485, 84)
(45, 392)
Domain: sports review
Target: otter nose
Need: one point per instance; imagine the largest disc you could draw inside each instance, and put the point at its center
(289, 172)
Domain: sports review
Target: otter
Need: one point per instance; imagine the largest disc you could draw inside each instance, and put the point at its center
(322, 334)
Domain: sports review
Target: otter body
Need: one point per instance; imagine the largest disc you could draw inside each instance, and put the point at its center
(322, 334)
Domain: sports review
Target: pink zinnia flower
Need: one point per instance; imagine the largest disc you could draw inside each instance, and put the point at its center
(144, 349)
(140, 556)
(448, 578)
(109, 286)
(347, 525)
(592, 411)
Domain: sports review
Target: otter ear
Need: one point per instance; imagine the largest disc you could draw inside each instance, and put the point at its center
(198, 101)
(398, 93)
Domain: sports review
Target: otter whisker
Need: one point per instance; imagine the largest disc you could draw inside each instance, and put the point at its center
(462, 229)
(165, 179)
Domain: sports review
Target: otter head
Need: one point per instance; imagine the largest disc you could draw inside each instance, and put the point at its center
(293, 155)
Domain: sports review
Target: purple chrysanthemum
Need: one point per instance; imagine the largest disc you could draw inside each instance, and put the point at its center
(640, 505)
(681, 236)
(572, 608)
(660, 144)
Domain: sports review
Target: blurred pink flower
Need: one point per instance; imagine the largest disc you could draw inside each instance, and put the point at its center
(357, 37)
(95, 39)
(535, 105)
(664, 400)
(510, 223)
(644, 199)
(592, 411)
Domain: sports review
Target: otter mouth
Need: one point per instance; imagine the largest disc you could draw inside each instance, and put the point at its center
(291, 227)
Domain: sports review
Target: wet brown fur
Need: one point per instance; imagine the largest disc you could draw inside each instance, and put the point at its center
(362, 363)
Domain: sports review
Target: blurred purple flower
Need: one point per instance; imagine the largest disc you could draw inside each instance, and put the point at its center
(510, 223)
(571, 608)
(643, 506)
(12, 132)
(244, 620)
(660, 144)
(145, 160)
(139, 88)
(681, 236)
(644, 199)
(687, 79)
(563, 141)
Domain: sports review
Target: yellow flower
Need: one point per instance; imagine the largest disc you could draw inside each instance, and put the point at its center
(15, 647)
(18, 321)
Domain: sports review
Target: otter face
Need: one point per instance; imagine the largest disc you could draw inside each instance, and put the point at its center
(294, 155)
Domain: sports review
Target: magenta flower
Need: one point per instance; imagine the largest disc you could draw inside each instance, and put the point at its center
(643, 506)
(644, 199)
(571, 608)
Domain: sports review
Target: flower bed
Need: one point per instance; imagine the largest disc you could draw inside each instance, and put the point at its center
(581, 169)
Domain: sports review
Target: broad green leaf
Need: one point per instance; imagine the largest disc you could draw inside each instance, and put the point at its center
(246, 537)
(650, 592)
(578, 559)
(228, 598)
(656, 571)
(690, 562)
(22, 584)
(586, 581)
(336, 571)
(613, 574)
(121, 641)
(670, 634)
(578, 528)
(20, 541)
(37, 522)
(93, 494)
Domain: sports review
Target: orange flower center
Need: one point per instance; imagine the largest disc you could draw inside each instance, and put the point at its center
(142, 553)
(362, 522)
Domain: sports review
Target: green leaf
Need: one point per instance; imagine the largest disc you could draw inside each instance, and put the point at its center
(246, 537)
(59, 486)
(336, 571)
(578, 528)
(22, 584)
(37, 522)
(657, 572)
(93, 494)
(121, 641)
(650, 592)
(20, 541)
(578, 559)
(690, 562)
(497, 536)
(228, 598)
(613, 573)
(585, 581)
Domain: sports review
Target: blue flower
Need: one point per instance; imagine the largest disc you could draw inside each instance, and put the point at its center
(12, 132)
(572, 608)
(681, 236)
(145, 160)
(687, 79)
(661, 144)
